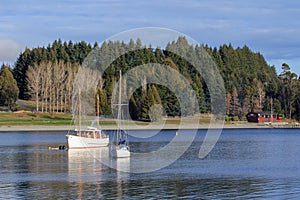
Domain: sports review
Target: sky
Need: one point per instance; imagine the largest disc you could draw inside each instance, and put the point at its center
(270, 27)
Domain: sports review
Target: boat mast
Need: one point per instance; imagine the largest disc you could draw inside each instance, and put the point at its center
(98, 110)
(119, 104)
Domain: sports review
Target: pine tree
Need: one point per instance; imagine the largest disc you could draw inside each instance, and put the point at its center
(289, 88)
(169, 62)
(19, 72)
(156, 111)
(102, 106)
(133, 109)
(145, 105)
(9, 90)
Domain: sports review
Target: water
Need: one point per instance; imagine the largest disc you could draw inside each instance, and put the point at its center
(245, 164)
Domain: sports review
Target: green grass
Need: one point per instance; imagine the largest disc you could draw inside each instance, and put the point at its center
(26, 117)
(29, 118)
(34, 118)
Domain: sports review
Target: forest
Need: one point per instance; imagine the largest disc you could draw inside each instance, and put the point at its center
(45, 75)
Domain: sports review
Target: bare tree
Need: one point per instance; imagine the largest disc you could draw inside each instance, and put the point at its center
(85, 85)
(47, 86)
(34, 78)
(59, 76)
(235, 103)
(228, 103)
(71, 71)
(51, 84)
(256, 95)
(261, 94)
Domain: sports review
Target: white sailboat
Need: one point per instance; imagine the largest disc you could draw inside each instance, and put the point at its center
(89, 137)
(121, 148)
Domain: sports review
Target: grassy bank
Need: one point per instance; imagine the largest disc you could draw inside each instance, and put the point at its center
(30, 121)
(23, 118)
(27, 118)
(30, 118)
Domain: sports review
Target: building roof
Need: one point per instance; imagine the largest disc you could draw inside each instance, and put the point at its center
(267, 113)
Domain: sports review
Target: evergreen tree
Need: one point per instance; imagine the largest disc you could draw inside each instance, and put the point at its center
(102, 106)
(290, 84)
(9, 90)
(169, 62)
(145, 106)
(156, 111)
(159, 55)
(151, 105)
(133, 109)
(249, 81)
(297, 103)
(19, 72)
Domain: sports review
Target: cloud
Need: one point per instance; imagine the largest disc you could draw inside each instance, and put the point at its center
(270, 28)
(9, 50)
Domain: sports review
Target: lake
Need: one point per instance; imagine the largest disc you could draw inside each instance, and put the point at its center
(244, 164)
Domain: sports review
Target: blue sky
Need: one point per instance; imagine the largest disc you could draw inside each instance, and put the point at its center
(270, 27)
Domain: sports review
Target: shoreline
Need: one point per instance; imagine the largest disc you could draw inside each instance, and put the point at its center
(12, 128)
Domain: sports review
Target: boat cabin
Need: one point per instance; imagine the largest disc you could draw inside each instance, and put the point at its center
(91, 132)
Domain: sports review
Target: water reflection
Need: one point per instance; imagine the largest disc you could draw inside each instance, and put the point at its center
(84, 162)
(85, 167)
(123, 164)
(243, 165)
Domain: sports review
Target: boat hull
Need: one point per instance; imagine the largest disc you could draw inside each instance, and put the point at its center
(122, 152)
(119, 151)
(78, 142)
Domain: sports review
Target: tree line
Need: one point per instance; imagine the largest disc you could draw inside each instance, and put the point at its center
(50, 85)
(46, 75)
(253, 85)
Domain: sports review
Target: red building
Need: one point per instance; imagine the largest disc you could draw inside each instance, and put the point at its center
(269, 117)
(262, 117)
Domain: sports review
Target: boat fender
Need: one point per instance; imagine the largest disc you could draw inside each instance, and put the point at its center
(62, 147)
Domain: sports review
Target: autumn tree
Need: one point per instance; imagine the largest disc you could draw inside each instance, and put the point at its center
(235, 103)
(169, 62)
(228, 104)
(249, 81)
